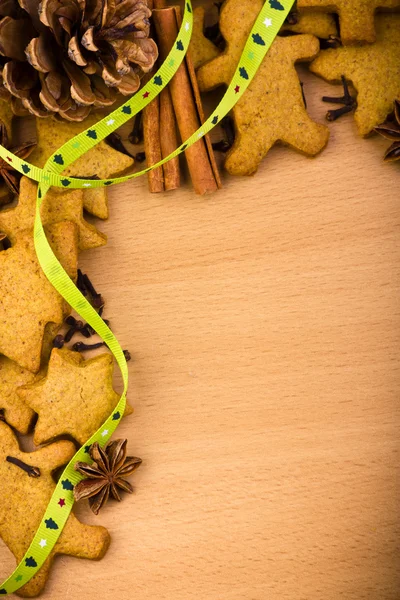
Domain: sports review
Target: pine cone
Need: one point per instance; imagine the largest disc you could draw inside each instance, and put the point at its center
(68, 56)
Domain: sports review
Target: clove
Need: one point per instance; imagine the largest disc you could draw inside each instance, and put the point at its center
(136, 135)
(221, 146)
(331, 42)
(86, 287)
(81, 284)
(75, 326)
(140, 157)
(349, 103)
(114, 140)
(58, 341)
(228, 126)
(32, 471)
(82, 347)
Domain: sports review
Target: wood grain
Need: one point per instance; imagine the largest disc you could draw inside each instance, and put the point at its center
(264, 325)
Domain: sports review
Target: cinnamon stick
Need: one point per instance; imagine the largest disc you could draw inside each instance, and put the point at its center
(199, 104)
(187, 117)
(169, 141)
(152, 144)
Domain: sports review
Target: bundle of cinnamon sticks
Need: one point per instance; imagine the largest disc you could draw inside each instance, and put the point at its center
(177, 111)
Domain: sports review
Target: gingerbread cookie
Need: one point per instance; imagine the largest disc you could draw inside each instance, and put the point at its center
(12, 409)
(95, 202)
(373, 69)
(356, 16)
(272, 109)
(74, 398)
(102, 161)
(27, 300)
(15, 411)
(55, 208)
(314, 23)
(201, 49)
(24, 499)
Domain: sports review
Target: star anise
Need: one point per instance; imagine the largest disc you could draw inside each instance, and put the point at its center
(391, 131)
(106, 474)
(8, 174)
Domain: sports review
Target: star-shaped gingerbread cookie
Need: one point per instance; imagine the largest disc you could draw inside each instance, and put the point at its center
(74, 398)
(272, 109)
(12, 409)
(15, 411)
(95, 202)
(373, 69)
(56, 207)
(101, 161)
(24, 499)
(356, 16)
(27, 300)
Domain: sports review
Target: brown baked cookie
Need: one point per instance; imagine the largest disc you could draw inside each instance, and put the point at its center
(373, 69)
(201, 48)
(24, 499)
(14, 410)
(95, 202)
(27, 300)
(322, 25)
(102, 161)
(356, 16)
(272, 109)
(56, 207)
(74, 398)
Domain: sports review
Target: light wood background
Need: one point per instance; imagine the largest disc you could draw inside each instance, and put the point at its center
(264, 325)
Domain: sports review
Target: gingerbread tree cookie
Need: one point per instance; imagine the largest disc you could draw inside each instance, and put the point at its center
(272, 109)
(24, 499)
(356, 16)
(55, 207)
(74, 398)
(27, 300)
(102, 161)
(374, 71)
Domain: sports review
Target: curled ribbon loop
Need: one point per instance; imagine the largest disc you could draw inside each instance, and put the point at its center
(266, 27)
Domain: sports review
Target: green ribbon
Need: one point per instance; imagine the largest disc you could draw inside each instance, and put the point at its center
(264, 31)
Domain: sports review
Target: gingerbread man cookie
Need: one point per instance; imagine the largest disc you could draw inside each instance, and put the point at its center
(272, 109)
(24, 499)
(357, 17)
(373, 69)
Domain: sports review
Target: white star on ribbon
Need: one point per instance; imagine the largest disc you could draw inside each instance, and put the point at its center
(87, 185)
(187, 26)
(104, 433)
(43, 543)
(268, 22)
(111, 122)
(200, 134)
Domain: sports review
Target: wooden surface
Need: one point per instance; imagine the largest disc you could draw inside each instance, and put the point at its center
(264, 325)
